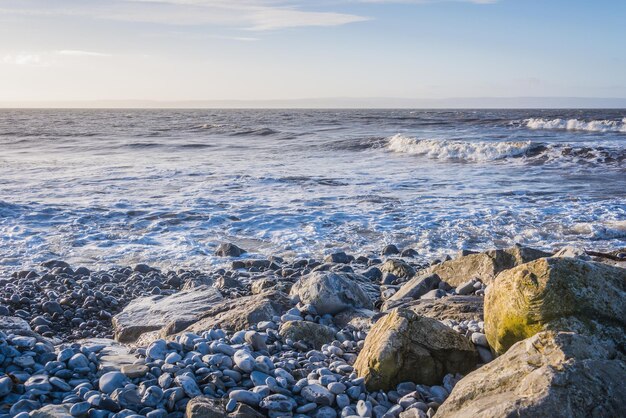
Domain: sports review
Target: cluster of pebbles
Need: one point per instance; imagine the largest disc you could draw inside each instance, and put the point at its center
(72, 304)
(255, 368)
(254, 372)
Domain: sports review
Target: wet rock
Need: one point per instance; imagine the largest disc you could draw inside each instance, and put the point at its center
(229, 250)
(403, 346)
(390, 250)
(339, 257)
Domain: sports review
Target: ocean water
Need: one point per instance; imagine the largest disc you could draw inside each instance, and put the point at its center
(165, 187)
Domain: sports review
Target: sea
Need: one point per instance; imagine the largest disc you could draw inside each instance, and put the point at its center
(100, 188)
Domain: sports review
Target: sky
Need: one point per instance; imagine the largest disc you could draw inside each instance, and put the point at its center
(185, 50)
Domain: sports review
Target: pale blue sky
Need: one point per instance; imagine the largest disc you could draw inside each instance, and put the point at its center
(284, 49)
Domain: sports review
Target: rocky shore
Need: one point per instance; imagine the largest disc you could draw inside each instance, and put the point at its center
(502, 333)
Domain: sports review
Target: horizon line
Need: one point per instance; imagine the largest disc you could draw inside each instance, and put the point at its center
(486, 102)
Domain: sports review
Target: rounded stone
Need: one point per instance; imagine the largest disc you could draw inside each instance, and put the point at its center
(112, 380)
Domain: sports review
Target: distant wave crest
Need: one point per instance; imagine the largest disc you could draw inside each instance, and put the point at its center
(459, 150)
(577, 125)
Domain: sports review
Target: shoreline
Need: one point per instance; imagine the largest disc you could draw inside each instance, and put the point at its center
(267, 337)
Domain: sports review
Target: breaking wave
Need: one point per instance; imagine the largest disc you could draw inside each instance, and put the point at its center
(577, 125)
(483, 151)
(461, 150)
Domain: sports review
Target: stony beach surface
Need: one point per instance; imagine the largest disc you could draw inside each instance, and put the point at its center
(509, 332)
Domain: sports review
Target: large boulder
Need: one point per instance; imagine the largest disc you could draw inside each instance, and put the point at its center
(236, 314)
(548, 375)
(457, 307)
(331, 292)
(562, 294)
(154, 312)
(403, 346)
(312, 333)
(484, 266)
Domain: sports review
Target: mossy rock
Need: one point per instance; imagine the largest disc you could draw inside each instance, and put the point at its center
(561, 294)
(403, 346)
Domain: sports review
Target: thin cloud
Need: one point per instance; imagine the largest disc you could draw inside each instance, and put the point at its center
(79, 53)
(257, 15)
(25, 59)
(426, 1)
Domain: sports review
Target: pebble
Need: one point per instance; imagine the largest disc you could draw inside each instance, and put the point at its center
(110, 381)
(245, 396)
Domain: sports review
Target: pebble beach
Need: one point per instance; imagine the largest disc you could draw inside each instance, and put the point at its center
(265, 337)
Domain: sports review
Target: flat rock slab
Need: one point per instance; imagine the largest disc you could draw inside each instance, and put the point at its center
(236, 314)
(52, 411)
(458, 308)
(155, 312)
(112, 355)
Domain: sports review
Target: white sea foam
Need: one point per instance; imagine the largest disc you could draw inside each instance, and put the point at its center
(577, 125)
(458, 150)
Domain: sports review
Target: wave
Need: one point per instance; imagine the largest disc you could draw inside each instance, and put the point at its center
(462, 150)
(256, 132)
(577, 125)
(530, 152)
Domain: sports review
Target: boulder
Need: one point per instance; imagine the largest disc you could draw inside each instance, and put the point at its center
(548, 375)
(236, 314)
(398, 268)
(561, 294)
(458, 308)
(403, 346)
(154, 312)
(331, 292)
(312, 333)
(484, 266)
(112, 356)
(263, 285)
(416, 287)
